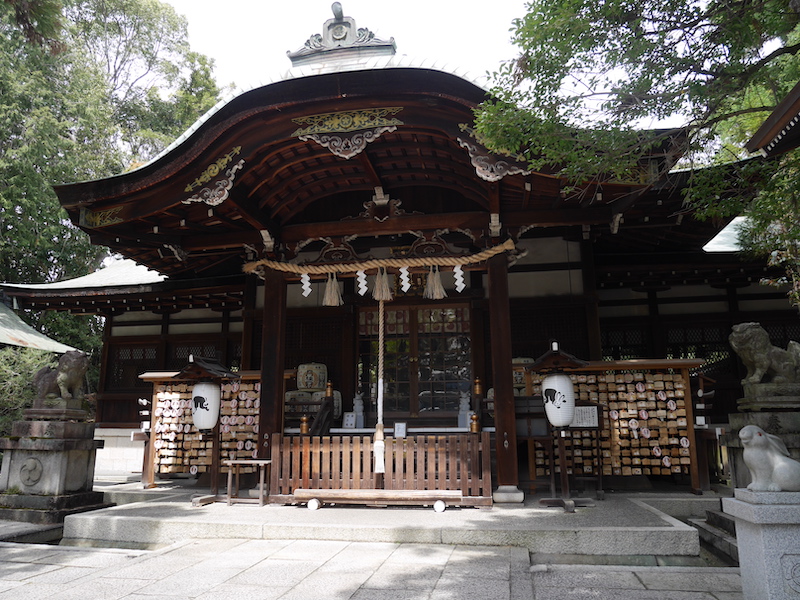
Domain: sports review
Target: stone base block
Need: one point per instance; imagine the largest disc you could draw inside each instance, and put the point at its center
(32, 508)
(768, 535)
(770, 396)
(48, 472)
(508, 494)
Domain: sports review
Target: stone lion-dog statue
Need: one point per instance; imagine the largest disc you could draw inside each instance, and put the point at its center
(763, 360)
(65, 381)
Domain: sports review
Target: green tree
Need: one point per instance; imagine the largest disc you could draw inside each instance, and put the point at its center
(122, 86)
(40, 21)
(595, 81)
(17, 368)
(594, 74)
(55, 126)
(158, 86)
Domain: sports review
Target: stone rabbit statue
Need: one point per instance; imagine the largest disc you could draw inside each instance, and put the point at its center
(768, 459)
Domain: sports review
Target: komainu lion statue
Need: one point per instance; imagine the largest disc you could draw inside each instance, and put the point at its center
(767, 458)
(763, 360)
(64, 382)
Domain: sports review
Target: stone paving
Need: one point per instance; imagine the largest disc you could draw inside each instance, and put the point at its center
(238, 569)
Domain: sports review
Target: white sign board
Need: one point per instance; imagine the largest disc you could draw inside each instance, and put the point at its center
(585, 417)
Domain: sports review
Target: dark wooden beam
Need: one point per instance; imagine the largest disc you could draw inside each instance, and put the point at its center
(391, 226)
(370, 169)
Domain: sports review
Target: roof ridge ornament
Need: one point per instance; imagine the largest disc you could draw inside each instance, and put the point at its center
(341, 40)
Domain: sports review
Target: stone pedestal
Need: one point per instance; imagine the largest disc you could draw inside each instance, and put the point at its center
(47, 466)
(770, 396)
(768, 536)
(508, 494)
(784, 424)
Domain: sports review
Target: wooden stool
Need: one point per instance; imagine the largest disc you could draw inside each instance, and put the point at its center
(234, 466)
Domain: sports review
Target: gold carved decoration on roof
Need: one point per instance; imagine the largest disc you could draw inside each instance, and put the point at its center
(218, 193)
(212, 170)
(348, 120)
(100, 218)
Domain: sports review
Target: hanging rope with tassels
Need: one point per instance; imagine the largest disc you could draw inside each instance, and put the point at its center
(382, 292)
(434, 290)
(378, 263)
(333, 295)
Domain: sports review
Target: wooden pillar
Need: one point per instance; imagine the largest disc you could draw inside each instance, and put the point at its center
(270, 417)
(502, 377)
(590, 297)
(248, 314)
(658, 340)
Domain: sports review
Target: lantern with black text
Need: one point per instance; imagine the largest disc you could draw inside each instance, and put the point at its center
(559, 399)
(205, 405)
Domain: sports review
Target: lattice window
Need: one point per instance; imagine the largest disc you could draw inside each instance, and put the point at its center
(126, 363)
(706, 341)
(235, 355)
(624, 341)
(427, 357)
(178, 354)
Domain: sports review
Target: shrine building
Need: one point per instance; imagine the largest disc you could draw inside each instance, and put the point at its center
(267, 227)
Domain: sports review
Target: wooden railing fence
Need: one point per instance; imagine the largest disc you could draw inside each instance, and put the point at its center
(442, 462)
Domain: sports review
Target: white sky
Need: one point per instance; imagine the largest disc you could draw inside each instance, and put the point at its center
(249, 39)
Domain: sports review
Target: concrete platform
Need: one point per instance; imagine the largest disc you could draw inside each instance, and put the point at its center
(623, 525)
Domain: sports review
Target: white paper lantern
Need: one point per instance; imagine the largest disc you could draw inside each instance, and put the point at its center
(559, 399)
(205, 405)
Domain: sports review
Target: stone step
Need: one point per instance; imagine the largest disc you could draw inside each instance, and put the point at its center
(618, 526)
(721, 520)
(719, 541)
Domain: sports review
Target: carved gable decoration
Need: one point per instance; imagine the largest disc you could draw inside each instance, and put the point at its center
(347, 133)
(220, 177)
(488, 166)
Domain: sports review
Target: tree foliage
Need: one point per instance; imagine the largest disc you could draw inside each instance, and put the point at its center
(17, 368)
(123, 84)
(55, 126)
(157, 85)
(592, 75)
(598, 85)
(40, 21)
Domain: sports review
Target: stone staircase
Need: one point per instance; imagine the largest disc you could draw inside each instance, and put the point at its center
(718, 534)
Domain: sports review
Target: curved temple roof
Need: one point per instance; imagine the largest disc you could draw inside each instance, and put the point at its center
(353, 151)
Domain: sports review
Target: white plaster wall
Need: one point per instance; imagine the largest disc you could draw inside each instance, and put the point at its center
(138, 315)
(549, 250)
(543, 284)
(120, 455)
(179, 328)
(610, 295)
(136, 330)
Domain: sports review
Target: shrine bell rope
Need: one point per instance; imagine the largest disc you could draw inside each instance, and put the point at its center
(378, 263)
(382, 294)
